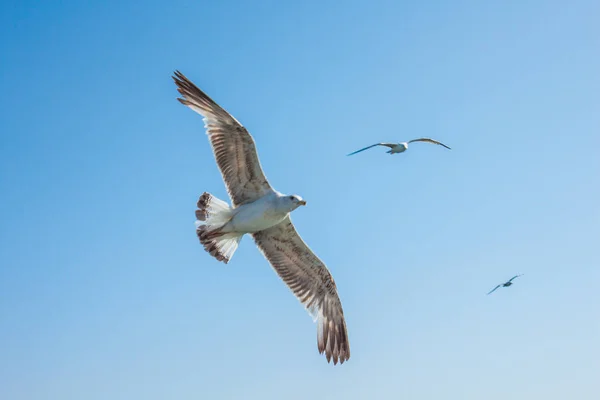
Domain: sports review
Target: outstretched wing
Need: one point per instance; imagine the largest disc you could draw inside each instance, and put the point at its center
(516, 276)
(491, 291)
(390, 145)
(430, 141)
(232, 145)
(310, 280)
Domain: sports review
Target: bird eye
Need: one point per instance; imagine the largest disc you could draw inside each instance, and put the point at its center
(291, 197)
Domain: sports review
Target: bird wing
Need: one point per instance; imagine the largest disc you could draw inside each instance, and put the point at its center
(429, 141)
(494, 289)
(232, 144)
(516, 276)
(390, 145)
(311, 282)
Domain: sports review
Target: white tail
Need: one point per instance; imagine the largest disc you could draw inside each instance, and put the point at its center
(211, 215)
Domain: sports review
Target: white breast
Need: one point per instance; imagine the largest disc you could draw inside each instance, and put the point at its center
(399, 148)
(256, 216)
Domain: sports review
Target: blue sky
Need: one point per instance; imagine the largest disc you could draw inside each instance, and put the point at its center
(106, 294)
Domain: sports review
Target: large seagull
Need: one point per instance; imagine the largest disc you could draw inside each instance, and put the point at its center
(264, 213)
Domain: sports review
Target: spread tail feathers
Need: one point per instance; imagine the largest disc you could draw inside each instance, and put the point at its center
(212, 214)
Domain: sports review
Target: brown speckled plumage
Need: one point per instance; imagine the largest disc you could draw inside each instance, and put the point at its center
(310, 280)
(232, 145)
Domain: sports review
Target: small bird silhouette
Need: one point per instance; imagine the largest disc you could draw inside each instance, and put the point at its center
(400, 147)
(505, 284)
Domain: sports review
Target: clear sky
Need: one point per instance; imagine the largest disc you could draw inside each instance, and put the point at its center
(105, 292)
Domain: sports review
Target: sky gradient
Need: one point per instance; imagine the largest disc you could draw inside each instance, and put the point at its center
(105, 292)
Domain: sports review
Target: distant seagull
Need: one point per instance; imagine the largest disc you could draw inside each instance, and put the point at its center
(264, 213)
(505, 284)
(400, 147)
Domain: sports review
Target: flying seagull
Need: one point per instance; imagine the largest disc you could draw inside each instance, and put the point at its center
(400, 147)
(505, 284)
(264, 213)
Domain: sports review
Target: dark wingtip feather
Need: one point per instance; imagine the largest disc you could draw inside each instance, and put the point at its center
(193, 96)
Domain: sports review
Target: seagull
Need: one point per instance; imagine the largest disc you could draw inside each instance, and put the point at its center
(400, 147)
(264, 213)
(505, 284)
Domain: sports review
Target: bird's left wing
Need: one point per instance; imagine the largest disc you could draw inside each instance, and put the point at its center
(232, 145)
(429, 141)
(390, 145)
(494, 289)
(310, 280)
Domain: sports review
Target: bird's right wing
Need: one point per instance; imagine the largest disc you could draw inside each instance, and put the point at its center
(491, 291)
(310, 280)
(428, 140)
(516, 276)
(232, 145)
(390, 145)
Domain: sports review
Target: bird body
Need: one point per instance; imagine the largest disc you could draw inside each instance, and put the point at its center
(259, 210)
(398, 148)
(261, 214)
(401, 147)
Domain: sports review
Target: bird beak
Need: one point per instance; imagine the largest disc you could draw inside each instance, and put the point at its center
(302, 202)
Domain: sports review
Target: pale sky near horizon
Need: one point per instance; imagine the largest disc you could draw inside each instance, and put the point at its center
(105, 292)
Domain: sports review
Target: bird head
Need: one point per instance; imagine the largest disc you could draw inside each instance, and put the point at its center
(294, 201)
